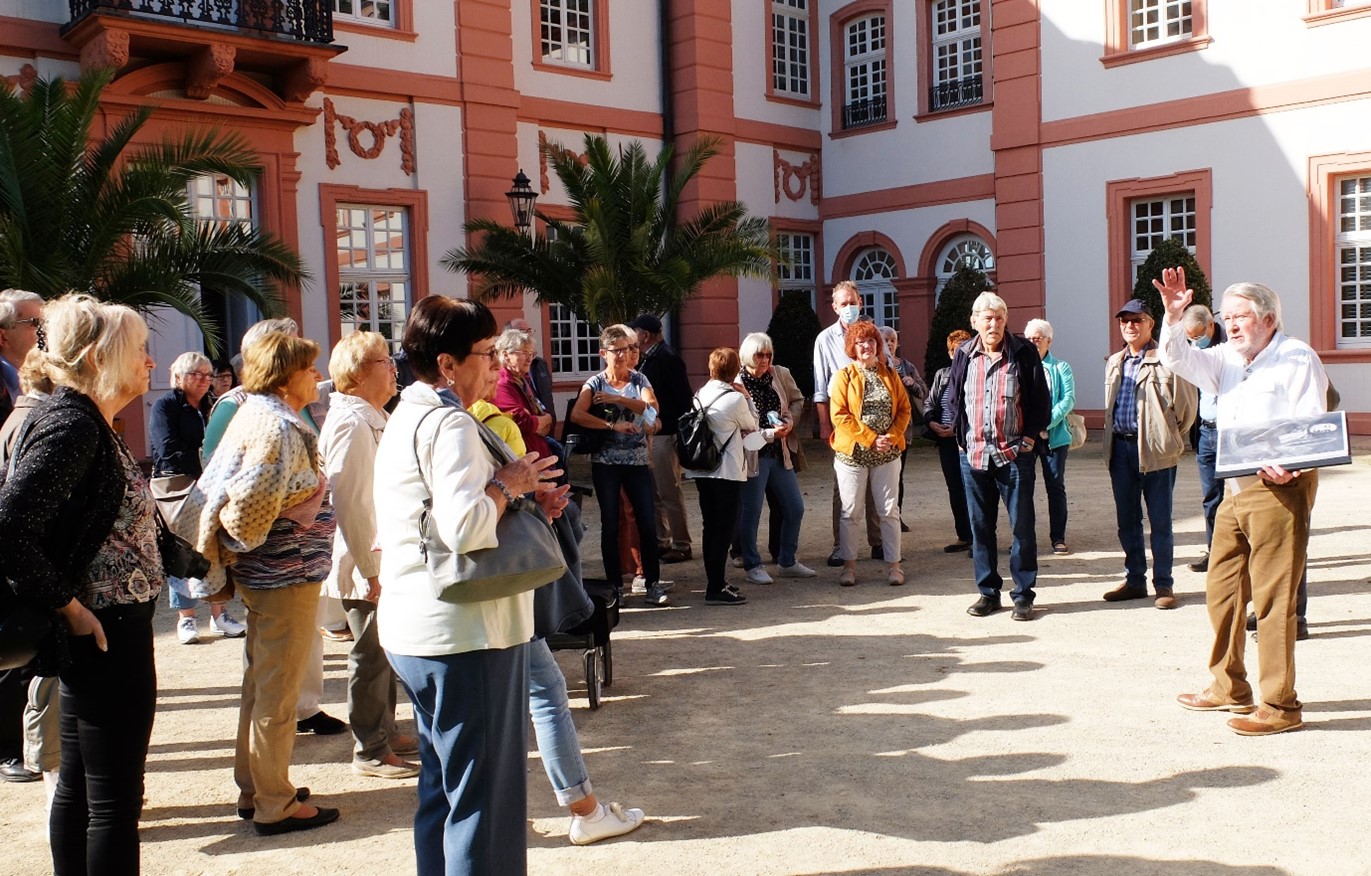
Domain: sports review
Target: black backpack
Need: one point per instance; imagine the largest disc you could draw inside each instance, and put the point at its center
(695, 445)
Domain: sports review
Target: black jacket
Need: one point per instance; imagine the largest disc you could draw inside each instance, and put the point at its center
(666, 371)
(177, 430)
(1035, 397)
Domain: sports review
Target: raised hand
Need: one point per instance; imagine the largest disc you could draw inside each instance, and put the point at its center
(1176, 297)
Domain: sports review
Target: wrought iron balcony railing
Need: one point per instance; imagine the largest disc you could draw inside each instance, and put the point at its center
(860, 113)
(957, 93)
(309, 21)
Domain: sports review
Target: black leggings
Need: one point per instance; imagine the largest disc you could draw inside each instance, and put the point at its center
(108, 699)
(720, 505)
(636, 482)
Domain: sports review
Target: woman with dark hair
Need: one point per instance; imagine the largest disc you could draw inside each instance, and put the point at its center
(464, 664)
(225, 378)
(870, 410)
(81, 540)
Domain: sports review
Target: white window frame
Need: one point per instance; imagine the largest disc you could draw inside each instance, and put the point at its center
(571, 45)
(874, 271)
(356, 14)
(574, 344)
(390, 324)
(1168, 216)
(865, 65)
(1352, 269)
(221, 200)
(796, 271)
(1158, 22)
(964, 249)
(790, 48)
(956, 42)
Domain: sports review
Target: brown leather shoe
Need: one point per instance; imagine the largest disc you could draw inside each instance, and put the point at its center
(1205, 701)
(1165, 599)
(1267, 722)
(1124, 592)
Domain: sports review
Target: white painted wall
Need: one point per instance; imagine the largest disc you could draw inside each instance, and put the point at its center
(633, 42)
(36, 10)
(752, 69)
(433, 53)
(909, 229)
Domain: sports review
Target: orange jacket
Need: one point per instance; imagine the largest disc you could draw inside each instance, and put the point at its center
(845, 408)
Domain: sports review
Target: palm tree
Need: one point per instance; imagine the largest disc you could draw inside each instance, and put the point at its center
(106, 217)
(626, 252)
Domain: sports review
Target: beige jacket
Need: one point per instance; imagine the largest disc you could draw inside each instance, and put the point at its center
(1166, 408)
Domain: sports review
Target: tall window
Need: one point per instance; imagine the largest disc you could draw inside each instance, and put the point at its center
(864, 72)
(1353, 245)
(796, 269)
(875, 274)
(567, 31)
(378, 12)
(790, 47)
(221, 200)
(575, 342)
(373, 270)
(1155, 220)
(963, 251)
(956, 54)
(1153, 22)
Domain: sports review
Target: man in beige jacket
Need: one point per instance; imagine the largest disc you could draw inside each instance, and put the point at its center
(1148, 411)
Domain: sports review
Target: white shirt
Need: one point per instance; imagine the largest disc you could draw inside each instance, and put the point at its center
(730, 414)
(348, 443)
(1286, 379)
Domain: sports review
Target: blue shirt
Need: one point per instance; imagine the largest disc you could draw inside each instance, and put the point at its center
(1126, 402)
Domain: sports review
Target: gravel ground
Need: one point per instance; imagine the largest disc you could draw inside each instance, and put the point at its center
(868, 730)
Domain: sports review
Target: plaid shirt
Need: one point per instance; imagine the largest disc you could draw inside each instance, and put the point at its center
(1126, 402)
(991, 397)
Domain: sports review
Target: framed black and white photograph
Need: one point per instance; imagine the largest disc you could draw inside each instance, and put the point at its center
(1293, 444)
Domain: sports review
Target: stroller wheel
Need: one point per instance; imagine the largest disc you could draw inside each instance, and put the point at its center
(592, 678)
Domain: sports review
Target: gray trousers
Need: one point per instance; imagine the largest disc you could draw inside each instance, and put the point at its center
(371, 685)
(873, 517)
(43, 726)
(666, 482)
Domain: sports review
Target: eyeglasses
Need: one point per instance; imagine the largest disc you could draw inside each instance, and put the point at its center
(1034, 339)
(200, 375)
(621, 350)
(762, 355)
(377, 361)
(35, 321)
(868, 342)
(490, 354)
(1130, 320)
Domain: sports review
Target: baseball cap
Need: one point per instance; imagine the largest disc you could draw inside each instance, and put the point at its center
(648, 323)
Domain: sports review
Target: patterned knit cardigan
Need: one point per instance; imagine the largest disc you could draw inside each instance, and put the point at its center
(268, 461)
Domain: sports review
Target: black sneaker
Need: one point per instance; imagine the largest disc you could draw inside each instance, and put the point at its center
(656, 596)
(984, 607)
(727, 596)
(956, 547)
(320, 724)
(834, 560)
(878, 552)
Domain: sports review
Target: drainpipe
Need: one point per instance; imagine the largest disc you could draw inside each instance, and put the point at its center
(668, 122)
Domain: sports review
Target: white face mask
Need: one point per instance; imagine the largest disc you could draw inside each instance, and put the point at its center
(849, 313)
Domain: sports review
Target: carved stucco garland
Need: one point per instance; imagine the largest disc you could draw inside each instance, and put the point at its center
(794, 179)
(378, 132)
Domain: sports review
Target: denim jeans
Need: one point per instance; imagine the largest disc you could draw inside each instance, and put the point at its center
(1211, 487)
(1012, 484)
(636, 482)
(471, 711)
(558, 745)
(1054, 482)
(1133, 489)
(773, 474)
(949, 457)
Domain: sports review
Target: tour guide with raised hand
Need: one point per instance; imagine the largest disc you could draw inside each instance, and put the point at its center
(1261, 533)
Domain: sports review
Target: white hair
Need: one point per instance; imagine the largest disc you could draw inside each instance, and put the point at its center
(261, 329)
(1264, 300)
(757, 342)
(10, 300)
(186, 363)
(1041, 326)
(1197, 317)
(989, 301)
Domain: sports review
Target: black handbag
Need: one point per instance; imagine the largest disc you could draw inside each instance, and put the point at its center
(24, 627)
(180, 559)
(583, 439)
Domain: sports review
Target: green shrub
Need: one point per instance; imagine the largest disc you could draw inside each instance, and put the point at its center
(953, 312)
(1170, 253)
(793, 328)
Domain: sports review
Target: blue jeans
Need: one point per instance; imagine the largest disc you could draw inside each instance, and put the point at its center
(1013, 484)
(1133, 489)
(558, 744)
(1054, 482)
(784, 485)
(636, 482)
(1206, 451)
(473, 746)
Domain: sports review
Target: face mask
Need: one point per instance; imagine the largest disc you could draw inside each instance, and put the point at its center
(849, 313)
(1201, 342)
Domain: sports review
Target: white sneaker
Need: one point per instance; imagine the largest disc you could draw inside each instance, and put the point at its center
(639, 586)
(605, 822)
(799, 570)
(227, 626)
(758, 575)
(666, 586)
(186, 631)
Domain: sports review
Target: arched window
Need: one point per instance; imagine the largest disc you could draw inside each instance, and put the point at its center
(965, 249)
(874, 273)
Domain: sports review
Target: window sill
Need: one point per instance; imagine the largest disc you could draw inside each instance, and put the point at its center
(568, 70)
(375, 30)
(1134, 56)
(864, 129)
(806, 102)
(934, 115)
(1336, 16)
(1345, 356)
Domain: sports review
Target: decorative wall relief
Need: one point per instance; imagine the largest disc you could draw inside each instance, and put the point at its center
(795, 179)
(544, 181)
(368, 139)
(23, 81)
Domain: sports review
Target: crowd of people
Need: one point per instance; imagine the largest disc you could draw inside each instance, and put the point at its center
(354, 493)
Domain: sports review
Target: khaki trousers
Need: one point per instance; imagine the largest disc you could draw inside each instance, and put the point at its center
(666, 481)
(281, 629)
(1261, 539)
(873, 515)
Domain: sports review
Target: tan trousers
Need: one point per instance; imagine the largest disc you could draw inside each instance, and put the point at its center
(672, 531)
(1261, 539)
(873, 516)
(281, 629)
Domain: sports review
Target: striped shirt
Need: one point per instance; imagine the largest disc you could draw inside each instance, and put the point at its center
(1126, 402)
(991, 398)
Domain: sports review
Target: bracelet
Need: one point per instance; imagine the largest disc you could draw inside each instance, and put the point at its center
(500, 485)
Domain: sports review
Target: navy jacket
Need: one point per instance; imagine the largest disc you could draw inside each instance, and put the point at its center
(176, 431)
(666, 371)
(1035, 397)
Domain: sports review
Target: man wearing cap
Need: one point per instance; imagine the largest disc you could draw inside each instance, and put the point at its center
(666, 370)
(1147, 412)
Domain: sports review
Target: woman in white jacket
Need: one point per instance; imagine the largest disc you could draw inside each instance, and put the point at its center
(731, 416)
(364, 378)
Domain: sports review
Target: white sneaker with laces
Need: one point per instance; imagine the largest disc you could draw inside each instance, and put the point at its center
(758, 575)
(639, 586)
(186, 631)
(799, 570)
(227, 626)
(603, 823)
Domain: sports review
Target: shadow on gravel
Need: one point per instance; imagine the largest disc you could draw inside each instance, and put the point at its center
(1088, 866)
